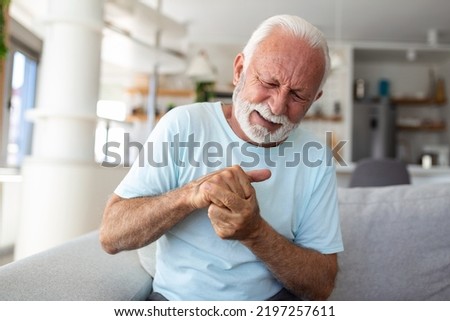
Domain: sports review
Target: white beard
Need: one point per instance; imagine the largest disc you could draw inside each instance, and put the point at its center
(257, 133)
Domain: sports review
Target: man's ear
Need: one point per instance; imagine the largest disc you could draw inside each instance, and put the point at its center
(238, 67)
(318, 95)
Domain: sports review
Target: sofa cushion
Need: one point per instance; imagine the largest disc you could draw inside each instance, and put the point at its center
(397, 243)
(77, 270)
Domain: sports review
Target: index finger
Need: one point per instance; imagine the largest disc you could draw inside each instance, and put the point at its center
(258, 175)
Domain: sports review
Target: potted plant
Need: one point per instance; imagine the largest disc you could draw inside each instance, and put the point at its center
(4, 4)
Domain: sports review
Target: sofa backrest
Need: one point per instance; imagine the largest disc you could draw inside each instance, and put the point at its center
(397, 243)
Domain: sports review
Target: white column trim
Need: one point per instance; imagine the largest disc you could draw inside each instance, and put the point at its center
(86, 23)
(37, 114)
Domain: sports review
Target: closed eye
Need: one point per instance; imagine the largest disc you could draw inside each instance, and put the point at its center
(298, 97)
(268, 84)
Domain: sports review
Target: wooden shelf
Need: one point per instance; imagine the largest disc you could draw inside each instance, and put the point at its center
(438, 127)
(323, 118)
(136, 118)
(163, 92)
(418, 102)
(411, 102)
(176, 92)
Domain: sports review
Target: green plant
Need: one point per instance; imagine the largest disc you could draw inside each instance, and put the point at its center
(204, 91)
(4, 4)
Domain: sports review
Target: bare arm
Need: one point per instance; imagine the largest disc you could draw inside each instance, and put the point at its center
(306, 273)
(133, 223)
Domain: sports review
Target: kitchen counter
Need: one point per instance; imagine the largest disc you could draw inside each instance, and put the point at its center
(419, 175)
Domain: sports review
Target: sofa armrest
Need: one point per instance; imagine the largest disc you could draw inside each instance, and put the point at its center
(77, 270)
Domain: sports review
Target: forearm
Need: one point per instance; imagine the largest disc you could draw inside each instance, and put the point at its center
(308, 274)
(133, 223)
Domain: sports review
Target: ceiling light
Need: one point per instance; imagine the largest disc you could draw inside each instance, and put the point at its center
(200, 68)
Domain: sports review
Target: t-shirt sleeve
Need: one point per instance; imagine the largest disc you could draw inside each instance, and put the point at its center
(153, 173)
(320, 228)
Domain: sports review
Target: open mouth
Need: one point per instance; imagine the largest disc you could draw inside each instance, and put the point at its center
(258, 119)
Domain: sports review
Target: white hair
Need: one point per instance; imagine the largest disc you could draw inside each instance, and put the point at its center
(298, 28)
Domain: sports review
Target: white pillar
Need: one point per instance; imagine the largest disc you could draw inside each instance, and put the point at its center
(59, 178)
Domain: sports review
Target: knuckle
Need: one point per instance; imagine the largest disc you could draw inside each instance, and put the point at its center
(236, 168)
(227, 174)
(228, 200)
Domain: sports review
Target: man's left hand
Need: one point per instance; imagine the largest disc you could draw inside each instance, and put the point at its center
(233, 215)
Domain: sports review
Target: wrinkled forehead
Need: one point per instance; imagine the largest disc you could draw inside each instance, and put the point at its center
(285, 45)
(288, 52)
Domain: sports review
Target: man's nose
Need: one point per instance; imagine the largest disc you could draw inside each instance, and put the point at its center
(278, 104)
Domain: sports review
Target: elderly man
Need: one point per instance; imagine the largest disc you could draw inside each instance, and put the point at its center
(239, 198)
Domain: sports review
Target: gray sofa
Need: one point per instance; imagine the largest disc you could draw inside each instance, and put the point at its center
(397, 247)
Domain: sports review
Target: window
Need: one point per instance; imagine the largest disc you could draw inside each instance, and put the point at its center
(23, 88)
(20, 92)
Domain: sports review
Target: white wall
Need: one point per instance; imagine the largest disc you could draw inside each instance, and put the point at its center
(222, 58)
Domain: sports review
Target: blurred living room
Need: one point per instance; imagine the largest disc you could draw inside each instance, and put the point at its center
(85, 81)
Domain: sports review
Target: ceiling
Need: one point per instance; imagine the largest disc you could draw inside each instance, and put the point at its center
(232, 21)
(227, 24)
(222, 27)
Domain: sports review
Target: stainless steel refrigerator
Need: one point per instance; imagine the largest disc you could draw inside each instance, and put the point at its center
(373, 130)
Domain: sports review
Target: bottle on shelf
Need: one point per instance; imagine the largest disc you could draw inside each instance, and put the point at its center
(440, 96)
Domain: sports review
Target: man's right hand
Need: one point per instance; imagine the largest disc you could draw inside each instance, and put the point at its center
(234, 179)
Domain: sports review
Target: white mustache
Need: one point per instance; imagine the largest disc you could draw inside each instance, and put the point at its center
(266, 113)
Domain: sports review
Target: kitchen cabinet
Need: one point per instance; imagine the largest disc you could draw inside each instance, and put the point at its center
(421, 129)
(423, 123)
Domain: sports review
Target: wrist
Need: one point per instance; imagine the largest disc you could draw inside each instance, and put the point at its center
(188, 196)
(259, 235)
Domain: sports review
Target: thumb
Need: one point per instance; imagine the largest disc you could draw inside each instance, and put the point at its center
(259, 175)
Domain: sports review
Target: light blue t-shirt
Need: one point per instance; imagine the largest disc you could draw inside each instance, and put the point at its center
(299, 201)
